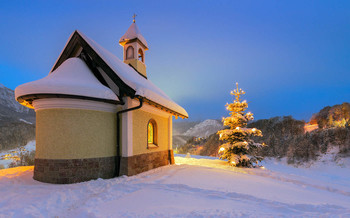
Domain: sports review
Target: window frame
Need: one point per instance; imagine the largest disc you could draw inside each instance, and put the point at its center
(132, 50)
(140, 55)
(155, 134)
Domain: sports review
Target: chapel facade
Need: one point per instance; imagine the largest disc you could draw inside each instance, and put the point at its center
(98, 116)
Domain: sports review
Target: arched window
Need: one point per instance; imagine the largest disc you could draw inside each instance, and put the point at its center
(152, 134)
(130, 52)
(141, 55)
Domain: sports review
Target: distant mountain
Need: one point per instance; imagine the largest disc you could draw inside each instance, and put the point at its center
(7, 98)
(180, 127)
(184, 131)
(11, 110)
(204, 129)
(179, 140)
(17, 123)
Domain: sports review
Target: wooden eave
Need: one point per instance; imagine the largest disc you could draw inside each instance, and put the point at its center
(163, 108)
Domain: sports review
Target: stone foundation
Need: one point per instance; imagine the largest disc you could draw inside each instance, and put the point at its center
(73, 170)
(143, 162)
(66, 171)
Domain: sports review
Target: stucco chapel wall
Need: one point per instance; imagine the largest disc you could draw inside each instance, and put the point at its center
(75, 134)
(140, 122)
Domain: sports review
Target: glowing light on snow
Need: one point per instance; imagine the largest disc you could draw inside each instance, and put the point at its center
(15, 172)
(221, 149)
(253, 129)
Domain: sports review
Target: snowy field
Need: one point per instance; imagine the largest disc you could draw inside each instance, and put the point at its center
(194, 187)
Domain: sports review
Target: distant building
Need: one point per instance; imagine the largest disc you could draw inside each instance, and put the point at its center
(98, 116)
(311, 126)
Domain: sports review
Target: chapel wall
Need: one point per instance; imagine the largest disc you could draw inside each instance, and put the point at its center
(75, 134)
(140, 122)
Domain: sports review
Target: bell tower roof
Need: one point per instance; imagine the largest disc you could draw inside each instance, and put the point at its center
(133, 33)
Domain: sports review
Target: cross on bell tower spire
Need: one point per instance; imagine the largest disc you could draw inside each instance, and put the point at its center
(134, 45)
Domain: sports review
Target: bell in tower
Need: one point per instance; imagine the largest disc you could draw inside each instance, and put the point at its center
(134, 48)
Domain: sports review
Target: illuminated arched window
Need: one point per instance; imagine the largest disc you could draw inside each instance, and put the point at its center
(141, 55)
(152, 134)
(130, 52)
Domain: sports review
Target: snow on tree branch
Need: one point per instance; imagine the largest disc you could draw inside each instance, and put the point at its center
(239, 146)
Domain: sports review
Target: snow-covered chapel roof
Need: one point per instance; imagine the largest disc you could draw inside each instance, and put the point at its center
(133, 33)
(73, 78)
(133, 79)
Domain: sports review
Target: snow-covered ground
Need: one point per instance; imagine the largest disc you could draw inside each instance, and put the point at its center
(194, 187)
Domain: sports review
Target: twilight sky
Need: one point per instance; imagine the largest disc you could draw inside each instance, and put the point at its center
(291, 57)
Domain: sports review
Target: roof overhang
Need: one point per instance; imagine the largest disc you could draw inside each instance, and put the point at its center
(156, 105)
(27, 100)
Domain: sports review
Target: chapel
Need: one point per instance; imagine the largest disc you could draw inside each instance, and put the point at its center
(98, 116)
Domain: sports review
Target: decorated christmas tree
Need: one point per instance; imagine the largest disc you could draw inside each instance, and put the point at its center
(239, 146)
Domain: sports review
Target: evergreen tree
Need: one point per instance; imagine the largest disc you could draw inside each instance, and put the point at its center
(239, 146)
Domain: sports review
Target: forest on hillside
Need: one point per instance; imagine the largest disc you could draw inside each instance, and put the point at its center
(286, 137)
(15, 133)
(17, 123)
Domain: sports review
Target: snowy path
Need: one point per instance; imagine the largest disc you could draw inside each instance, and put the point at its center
(193, 188)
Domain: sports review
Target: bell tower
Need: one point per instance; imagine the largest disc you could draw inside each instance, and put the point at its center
(134, 45)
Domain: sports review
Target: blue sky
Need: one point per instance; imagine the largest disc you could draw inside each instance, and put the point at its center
(291, 57)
